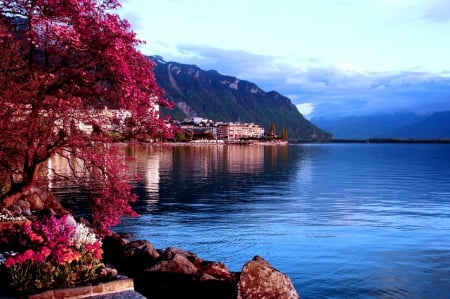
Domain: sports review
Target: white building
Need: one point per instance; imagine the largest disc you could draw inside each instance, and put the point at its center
(235, 131)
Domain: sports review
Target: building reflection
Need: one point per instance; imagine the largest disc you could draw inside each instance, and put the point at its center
(205, 160)
(245, 159)
(155, 169)
(145, 166)
(58, 166)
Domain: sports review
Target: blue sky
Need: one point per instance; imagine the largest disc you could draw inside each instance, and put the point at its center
(330, 57)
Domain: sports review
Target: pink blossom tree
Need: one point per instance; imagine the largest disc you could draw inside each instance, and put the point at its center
(62, 62)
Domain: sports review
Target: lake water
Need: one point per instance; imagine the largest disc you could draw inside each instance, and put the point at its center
(342, 220)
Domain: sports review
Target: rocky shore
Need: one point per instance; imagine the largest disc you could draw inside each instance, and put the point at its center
(174, 272)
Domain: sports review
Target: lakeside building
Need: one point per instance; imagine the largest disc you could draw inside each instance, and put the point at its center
(198, 126)
(112, 119)
(203, 128)
(237, 130)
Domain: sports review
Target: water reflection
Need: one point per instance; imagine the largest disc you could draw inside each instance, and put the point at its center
(206, 159)
(192, 174)
(188, 173)
(343, 221)
(145, 164)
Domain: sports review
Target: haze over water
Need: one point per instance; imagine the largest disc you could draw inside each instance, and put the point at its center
(342, 220)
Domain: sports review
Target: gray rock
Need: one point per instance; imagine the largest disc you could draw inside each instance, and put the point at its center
(260, 280)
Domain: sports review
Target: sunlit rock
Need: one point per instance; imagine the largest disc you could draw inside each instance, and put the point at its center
(260, 280)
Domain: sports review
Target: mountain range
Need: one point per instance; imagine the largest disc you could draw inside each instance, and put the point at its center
(401, 125)
(210, 95)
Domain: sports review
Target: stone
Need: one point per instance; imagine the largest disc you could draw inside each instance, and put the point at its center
(129, 257)
(181, 272)
(259, 279)
(138, 256)
(170, 252)
(15, 210)
(51, 202)
(178, 264)
(162, 285)
(145, 248)
(174, 271)
(24, 206)
(36, 203)
(215, 270)
(114, 253)
(40, 199)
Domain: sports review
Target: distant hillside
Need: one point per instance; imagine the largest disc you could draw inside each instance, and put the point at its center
(211, 95)
(435, 126)
(363, 127)
(402, 125)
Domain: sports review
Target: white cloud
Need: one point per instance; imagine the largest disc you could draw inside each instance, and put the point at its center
(305, 109)
(439, 11)
(327, 90)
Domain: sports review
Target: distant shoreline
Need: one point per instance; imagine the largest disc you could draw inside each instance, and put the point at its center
(304, 141)
(377, 140)
(239, 143)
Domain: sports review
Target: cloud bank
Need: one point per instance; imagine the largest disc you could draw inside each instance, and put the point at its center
(339, 58)
(320, 89)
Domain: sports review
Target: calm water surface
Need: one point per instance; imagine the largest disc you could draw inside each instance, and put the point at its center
(342, 220)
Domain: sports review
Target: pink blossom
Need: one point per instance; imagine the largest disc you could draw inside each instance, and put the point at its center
(28, 254)
(10, 261)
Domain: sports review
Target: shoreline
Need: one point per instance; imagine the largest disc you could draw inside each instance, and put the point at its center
(376, 140)
(163, 273)
(220, 143)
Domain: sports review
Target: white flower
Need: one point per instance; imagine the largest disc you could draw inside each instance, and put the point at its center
(5, 216)
(84, 236)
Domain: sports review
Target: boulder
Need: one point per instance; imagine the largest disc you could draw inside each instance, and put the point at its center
(162, 285)
(114, 251)
(138, 256)
(170, 252)
(40, 199)
(174, 271)
(178, 264)
(215, 270)
(24, 206)
(260, 280)
(178, 271)
(52, 203)
(15, 210)
(36, 203)
(143, 247)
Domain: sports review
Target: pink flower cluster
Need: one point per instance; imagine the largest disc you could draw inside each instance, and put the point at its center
(53, 239)
(28, 255)
(47, 251)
